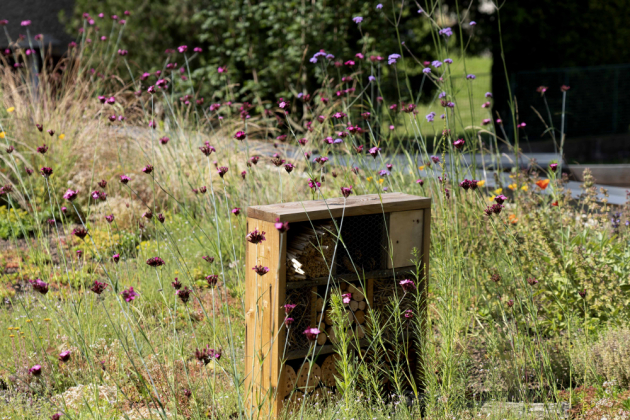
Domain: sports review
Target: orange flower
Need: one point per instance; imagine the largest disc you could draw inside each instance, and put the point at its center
(513, 219)
(555, 204)
(543, 183)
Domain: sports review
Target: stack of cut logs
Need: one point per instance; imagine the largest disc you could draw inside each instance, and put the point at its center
(308, 246)
(355, 311)
(301, 381)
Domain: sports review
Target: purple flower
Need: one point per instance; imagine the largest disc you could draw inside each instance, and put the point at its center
(488, 95)
(447, 32)
(471, 77)
(371, 78)
(240, 135)
(222, 171)
(207, 355)
(426, 70)
(437, 64)
(408, 314)
(164, 140)
(255, 236)
(448, 61)
(109, 218)
(116, 257)
(312, 333)
(236, 211)
(384, 172)
(289, 167)
(35, 370)
(70, 195)
(176, 284)
(459, 144)
(289, 307)
(430, 116)
(39, 286)
(346, 298)
(212, 279)
(124, 179)
(42, 149)
(260, 270)
(147, 169)
(374, 151)
(184, 294)
(379, 6)
(435, 159)
(129, 294)
(64, 356)
(500, 198)
(155, 262)
(98, 287)
(208, 259)
(392, 58)
(56, 416)
(357, 19)
(407, 285)
(473, 23)
(314, 184)
(465, 184)
(99, 195)
(346, 191)
(80, 232)
(288, 321)
(281, 226)
(206, 149)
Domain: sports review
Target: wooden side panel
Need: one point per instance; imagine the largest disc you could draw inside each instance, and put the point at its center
(264, 317)
(405, 233)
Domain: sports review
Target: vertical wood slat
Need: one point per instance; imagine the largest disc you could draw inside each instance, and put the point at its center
(264, 318)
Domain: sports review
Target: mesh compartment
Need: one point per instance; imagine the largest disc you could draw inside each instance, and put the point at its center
(365, 248)
(301, 314)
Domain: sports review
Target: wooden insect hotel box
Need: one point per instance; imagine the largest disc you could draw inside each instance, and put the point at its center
(362, 246)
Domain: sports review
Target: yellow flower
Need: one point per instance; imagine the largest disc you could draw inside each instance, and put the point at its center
(380, 181)
(491, 198)
(29, 320)
(421, 167)
(2, 134)
(497, 191)
(46, 319)
(16, 328)
(10, 328)
(62, 136)
(512, 186)
(481, 183)
(369, 179)
(41, 336)
(9, 110)
(524, 188)
(12, 335)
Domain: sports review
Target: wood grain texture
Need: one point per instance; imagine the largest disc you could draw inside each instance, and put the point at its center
(405, 233)
(355, 206)
(264, 317)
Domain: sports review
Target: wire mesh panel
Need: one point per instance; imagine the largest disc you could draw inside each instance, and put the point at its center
(364, 247)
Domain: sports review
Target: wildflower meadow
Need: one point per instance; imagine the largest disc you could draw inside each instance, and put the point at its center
(123, 227)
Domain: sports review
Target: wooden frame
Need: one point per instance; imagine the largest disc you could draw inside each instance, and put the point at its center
(265, 295)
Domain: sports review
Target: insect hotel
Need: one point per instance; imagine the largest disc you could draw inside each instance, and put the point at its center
(362, 245)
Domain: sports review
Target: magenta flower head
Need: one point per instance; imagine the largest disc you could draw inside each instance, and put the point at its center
(254, 159)
(147, 169)
(152, 124)
(260, 270)
(471, 77)
(281, 226)
(116, 257)
(582, 293)
(553, 167)
(56, 416)
(473, 184)
(312, 333)
(255, 236)
(208, 259)
(374, 151)
(532, 281)
(206, 149)
(184, 294)
(435, 159)
(565, 88)
(64, 356)
(500, 198)
(80, 232)
(42, 149)
(124, 179)
(346, 298)
(25, 23)
(123, 53)
(407, 285)
(510, 303)
(39, 286)
(289, 307)
(212, 279)
(4, 22)
(99, 195)
(289, 167)
(408, 314)
(197, 49)
(240, 135)
(10, 150)
(314, 184)
(102, 183)
(459, 144)
(420, 182)
(29, 171)
(164, 140)
(98, 287)
(109, 218)
(346, 191)
(236, 211)
(70, 195)
(155, 262)
(176, 284)
(129, 294)
(35, 370)
(288, 321)
(222, 171)
(182, 49)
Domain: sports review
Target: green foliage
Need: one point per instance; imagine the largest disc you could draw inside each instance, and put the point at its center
(15, 223)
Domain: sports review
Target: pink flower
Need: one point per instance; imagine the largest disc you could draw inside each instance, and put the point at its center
(459, 144)
(182, 49)
(260, 270)
(312, 333)
(70, 195)
(407, 285)
(255, 236)
(236, 211)
(346, 191)
(240, 135)
(129, 294)
(281, 226)
(346, 298)
(374, 151)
